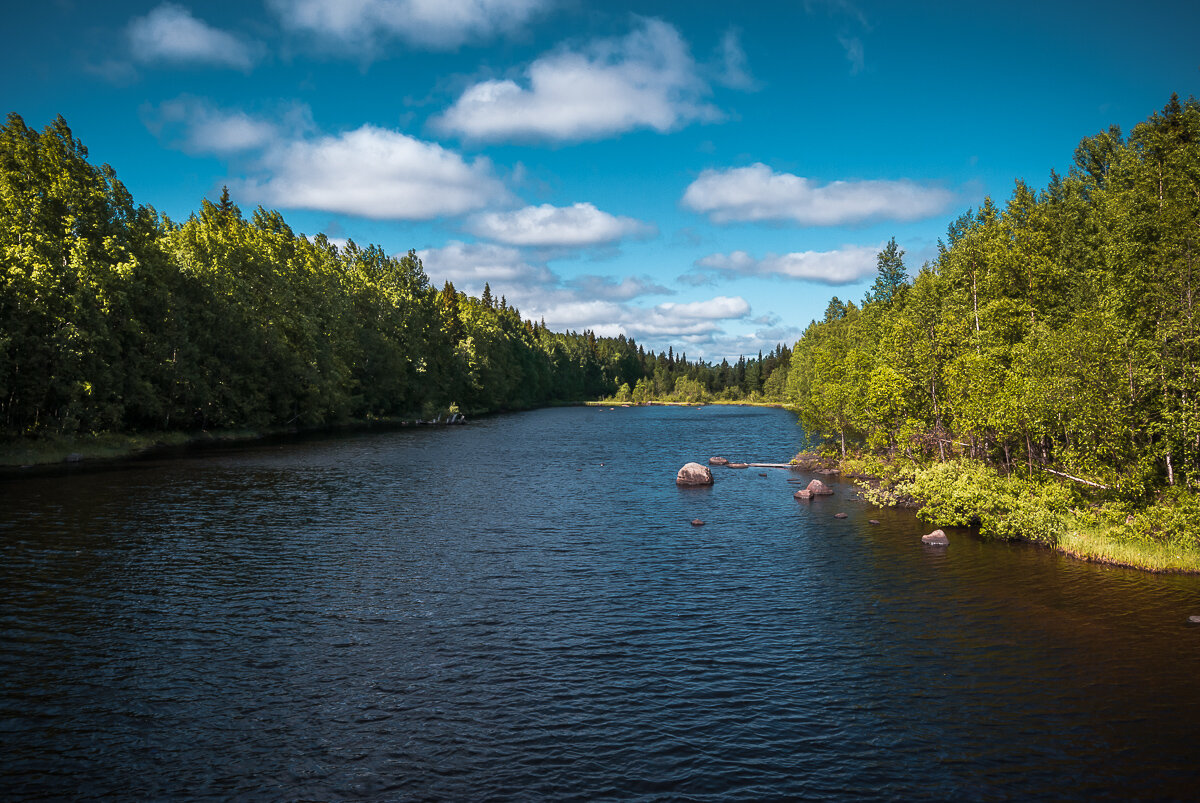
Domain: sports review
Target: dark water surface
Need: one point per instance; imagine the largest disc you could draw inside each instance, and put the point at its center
(462, 614)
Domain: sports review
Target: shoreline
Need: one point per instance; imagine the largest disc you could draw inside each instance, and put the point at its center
(1092, 542)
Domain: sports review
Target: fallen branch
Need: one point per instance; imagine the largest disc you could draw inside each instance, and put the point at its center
(1077, 479)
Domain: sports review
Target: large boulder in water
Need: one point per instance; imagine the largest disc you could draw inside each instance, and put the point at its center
(694, 474)
(818, 488)
(935, 538)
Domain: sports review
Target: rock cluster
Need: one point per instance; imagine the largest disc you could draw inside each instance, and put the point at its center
(815, 488)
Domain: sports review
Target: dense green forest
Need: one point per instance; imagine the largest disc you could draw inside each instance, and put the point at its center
(1058, 333)
(114, 318)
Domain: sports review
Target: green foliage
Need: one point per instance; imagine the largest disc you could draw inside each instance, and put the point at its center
(1055, 332)
(112, 318)
(966, 493)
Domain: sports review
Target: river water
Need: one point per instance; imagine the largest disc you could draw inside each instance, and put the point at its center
(520, 609)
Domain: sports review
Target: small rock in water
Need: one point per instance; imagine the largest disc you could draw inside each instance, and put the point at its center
(739, 465)
(1194, 619)
(718, 461)
(803, 493)
(872, 521)
(697, 523)
(935, 538)
(762, 475)
(839, 515)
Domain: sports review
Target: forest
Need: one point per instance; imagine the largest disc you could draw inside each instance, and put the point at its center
(114, 318)
(1054, 341)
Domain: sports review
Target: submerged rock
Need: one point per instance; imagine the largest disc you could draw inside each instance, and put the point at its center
(739, 465)
(935, 538)
(839, 515)
(697, 523)
(694, 474)
(872, 521)
(718, 461)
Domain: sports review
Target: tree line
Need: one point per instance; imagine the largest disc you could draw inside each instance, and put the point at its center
(114, 317)
(1056, 333)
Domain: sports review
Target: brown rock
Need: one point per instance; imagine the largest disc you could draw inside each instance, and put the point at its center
(697, 523)
(694, 474)
(935, 538)
(718, 461)
(839, 515)
(803, 493)
(762, 475)
(818, 488)
(873, 521)
(739, 465)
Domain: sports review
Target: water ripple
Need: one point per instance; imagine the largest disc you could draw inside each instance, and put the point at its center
(462, 614)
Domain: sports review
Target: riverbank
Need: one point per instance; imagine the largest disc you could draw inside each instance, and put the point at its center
(611, 402)
(53, 450)
(1051, 512)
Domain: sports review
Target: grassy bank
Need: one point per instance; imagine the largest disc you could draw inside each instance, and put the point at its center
(49, 450)
(1162, 535)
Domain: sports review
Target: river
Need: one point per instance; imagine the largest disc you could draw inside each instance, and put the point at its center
(520, 609)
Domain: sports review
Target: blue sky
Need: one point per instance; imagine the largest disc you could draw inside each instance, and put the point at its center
(697, 174)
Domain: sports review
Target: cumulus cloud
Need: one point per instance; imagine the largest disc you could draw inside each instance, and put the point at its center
(374, 173)
(603, 304)
(843, 266)
(647, 79)
(171, 34)
(695, 322)
(194, 125)
(470, 265)
(607, 287)
(756, 193)
(574, 226)
(430, 24)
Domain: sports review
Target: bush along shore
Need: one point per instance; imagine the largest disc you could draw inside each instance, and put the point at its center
(1073, 517)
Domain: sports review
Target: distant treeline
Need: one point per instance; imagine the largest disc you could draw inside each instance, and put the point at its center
(115, 318)
(1058, 332)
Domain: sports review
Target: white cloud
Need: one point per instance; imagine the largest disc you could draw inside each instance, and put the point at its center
(171, 34)
(574, 226)
(756, 193)
(695, 322)
(374, 173)
(599, 303)
(854, 53)
(734, 70)
(194, 125)
(469, 265)
(429, 24)
(647, 79)
(607, 287)
(843, 266)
